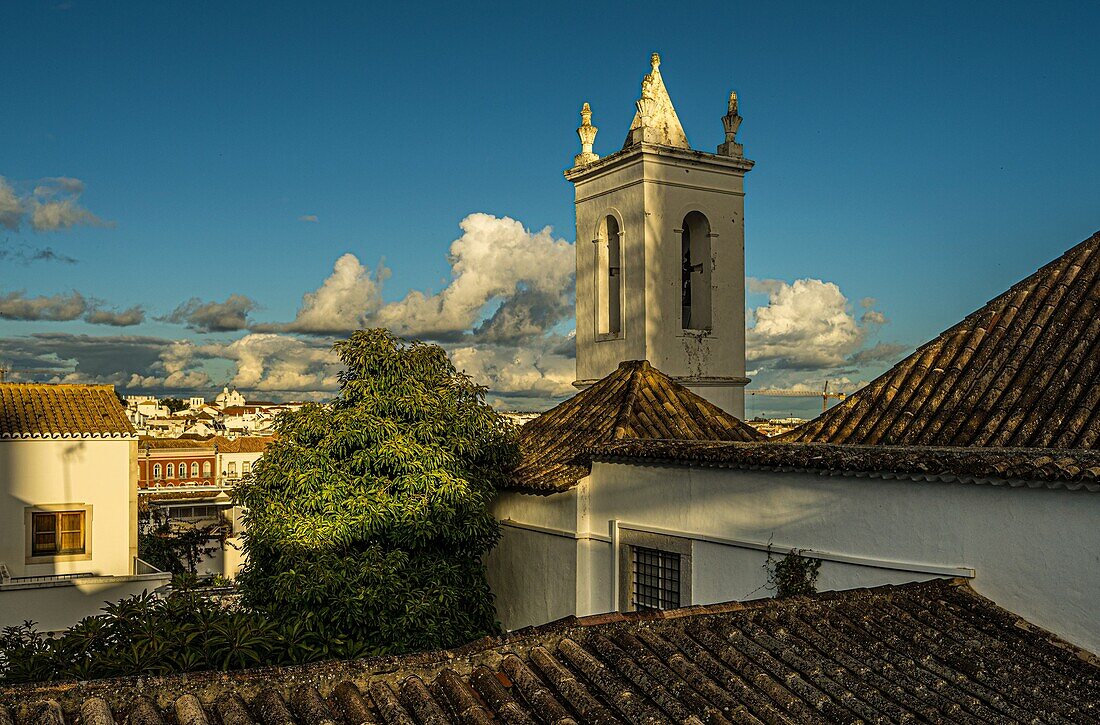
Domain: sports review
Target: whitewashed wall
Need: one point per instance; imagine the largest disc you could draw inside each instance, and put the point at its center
(95, 472)
(100, 473)
(1034, 551)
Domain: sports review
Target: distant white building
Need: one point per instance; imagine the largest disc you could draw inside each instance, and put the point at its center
(68, 504)
(228, 398)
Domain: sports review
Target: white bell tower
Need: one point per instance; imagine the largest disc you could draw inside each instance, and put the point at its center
(661, 251)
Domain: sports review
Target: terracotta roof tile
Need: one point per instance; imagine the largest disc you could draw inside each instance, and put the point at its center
(637, 401)
(38, 410)
(1021, 372)
(928, 652)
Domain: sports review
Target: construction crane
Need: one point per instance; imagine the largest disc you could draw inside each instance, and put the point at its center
(824, 394)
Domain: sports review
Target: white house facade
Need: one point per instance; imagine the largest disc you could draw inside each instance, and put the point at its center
(68, 504)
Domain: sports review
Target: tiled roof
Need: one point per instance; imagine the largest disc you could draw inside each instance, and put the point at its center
(637, 401)
(245, 444)
(1023, 371)
(39, 410)
(928, 652)
(189, 443)
(1074, 469)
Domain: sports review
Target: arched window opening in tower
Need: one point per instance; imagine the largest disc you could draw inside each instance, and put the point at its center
(609, 278)
(695, 272)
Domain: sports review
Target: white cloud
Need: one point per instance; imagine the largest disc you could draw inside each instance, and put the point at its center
(510, 291)
(280, 363)
(527, 372)
(345, 301)
(527, 276)
(59, 307)
(806, 324)
(11, 207)
(53, 205)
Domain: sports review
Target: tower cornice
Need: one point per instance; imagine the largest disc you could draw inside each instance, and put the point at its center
(646, 151)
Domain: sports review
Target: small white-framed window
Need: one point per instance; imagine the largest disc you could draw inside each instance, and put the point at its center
(206, 469)
(246, 468)
(231, 468)
(194, 469)
(58, 532)
(156, 471)
(170, 471)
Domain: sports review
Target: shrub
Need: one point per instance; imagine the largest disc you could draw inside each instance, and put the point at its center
(793, 575)
(145, 634)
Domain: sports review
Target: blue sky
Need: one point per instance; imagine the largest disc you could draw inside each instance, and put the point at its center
(926, 156)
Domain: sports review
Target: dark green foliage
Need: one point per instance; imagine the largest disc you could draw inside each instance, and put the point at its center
(149, 636)
(368, 519)
(793, 575)
(174, 405)
(176, 548)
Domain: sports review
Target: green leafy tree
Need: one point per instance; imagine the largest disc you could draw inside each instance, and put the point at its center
(174, 405)
(367, 519)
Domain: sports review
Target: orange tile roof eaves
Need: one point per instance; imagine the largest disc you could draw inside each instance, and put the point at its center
(43, 410)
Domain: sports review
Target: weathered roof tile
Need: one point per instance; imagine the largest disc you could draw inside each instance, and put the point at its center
(636, 402)
(932, 651)
(1021, 372)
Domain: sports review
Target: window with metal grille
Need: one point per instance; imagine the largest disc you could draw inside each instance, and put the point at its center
(656, 576)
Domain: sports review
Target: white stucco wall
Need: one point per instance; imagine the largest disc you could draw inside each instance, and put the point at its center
(1034, 551)
(96, 473)
(91, 472)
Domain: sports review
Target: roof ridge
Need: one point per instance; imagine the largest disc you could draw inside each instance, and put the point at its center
(618, 432)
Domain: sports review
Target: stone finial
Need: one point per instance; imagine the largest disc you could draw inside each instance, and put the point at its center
(655, 121)
(731, 122)
(587, 133)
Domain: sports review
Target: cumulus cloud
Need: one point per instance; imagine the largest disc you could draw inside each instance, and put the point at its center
(523, 279)
(809, 334)
(529, 373)
(59, 307)
(280, 363)
(228, 316)
(129, 361)
(125, 318)
(311, 218)
(505, 317)
(806, 324)
(346, 301)
(510, 291)
(11, 206)
(52, 205)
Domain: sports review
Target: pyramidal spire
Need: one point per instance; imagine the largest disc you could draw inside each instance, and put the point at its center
(656, 120)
